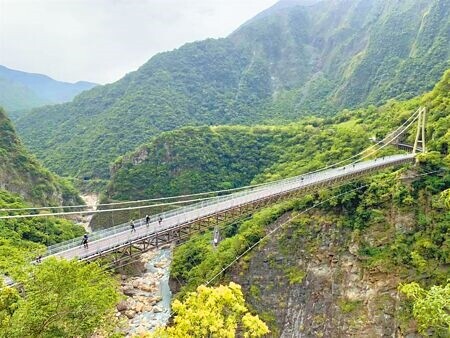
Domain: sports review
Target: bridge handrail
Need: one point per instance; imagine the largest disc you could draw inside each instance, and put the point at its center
(183, 210)
(96, 235)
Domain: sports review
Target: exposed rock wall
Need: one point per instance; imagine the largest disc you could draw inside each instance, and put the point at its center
(310, 281)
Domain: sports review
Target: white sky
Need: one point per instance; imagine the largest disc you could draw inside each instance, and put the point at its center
(102, 40)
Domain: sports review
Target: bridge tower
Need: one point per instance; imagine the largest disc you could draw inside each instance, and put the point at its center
(420, 133)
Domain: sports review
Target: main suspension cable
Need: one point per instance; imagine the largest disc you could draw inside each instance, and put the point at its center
(222, 190)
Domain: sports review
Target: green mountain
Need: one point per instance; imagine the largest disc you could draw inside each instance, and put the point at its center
(24, 183)
(22, 174)
(15, 96)
(342, 268)
(296, 58)
(192, 160)
(21, 91)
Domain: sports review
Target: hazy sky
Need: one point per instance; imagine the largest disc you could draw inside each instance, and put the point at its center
(102, 40)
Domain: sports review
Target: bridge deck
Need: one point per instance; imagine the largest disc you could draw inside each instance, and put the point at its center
(185, 215)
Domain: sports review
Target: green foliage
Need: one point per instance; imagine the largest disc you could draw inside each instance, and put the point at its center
(295, 275)
(199, 159)
(61, 299)
(22, 239)
(445, 197)
(285, 64)
(430, 307)
(9, 298)
(195, 262)
(418, 249)
(22, 173)
(213, 312)
(348, 306)
(192, 160)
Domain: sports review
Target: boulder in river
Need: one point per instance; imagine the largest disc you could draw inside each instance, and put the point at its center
(130, 314)
(122, 306)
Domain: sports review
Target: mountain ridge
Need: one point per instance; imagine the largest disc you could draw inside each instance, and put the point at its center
(22, 90)
(197, 159)
(298, 61)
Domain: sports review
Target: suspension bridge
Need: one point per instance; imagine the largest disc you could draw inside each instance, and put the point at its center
(122, 242)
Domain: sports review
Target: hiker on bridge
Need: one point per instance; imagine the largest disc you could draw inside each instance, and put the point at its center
(133, 227)
(84, 241)
(147, 220)
(159, 219)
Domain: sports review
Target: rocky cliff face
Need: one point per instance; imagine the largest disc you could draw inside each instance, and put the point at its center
(311, 280)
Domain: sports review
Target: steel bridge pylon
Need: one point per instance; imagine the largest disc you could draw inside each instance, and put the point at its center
(420, 133)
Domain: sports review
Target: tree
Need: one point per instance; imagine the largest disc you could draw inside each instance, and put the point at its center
(213, 312)
(61, 299)
(431, 308)
(445, 197)
(8, 304)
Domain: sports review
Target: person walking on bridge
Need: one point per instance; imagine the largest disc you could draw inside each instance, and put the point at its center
(159, 220)
(84, 241)
(147, 220)
(133, 227)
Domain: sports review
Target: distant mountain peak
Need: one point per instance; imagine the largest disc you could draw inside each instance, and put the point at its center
(21, 90)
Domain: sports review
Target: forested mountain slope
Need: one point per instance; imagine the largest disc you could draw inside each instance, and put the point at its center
(193, 160)
(52, 298)
(297, 58)
(20, 90)
(371, 261)
(22, 174)
(15, 96)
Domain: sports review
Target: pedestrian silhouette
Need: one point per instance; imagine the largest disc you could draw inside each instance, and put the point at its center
(84, 241)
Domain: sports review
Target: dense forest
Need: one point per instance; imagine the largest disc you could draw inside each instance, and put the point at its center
(394, 228)
(191, 160)
(300, 86)
(56, 298)
(294, 59)
(21, 173)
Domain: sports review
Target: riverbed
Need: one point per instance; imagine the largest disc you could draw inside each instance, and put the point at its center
(148, 304)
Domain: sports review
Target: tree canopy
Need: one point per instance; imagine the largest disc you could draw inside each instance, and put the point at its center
(213, 312)
(431, 308)
(60, 299)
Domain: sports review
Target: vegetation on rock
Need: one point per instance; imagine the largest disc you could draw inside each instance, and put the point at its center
(431, 307)
(193, 160)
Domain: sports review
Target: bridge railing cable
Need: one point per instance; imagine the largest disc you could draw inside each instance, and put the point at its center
(385, 144)
(180, 215)
(283, 224)
(272, 186)
(394, 134)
